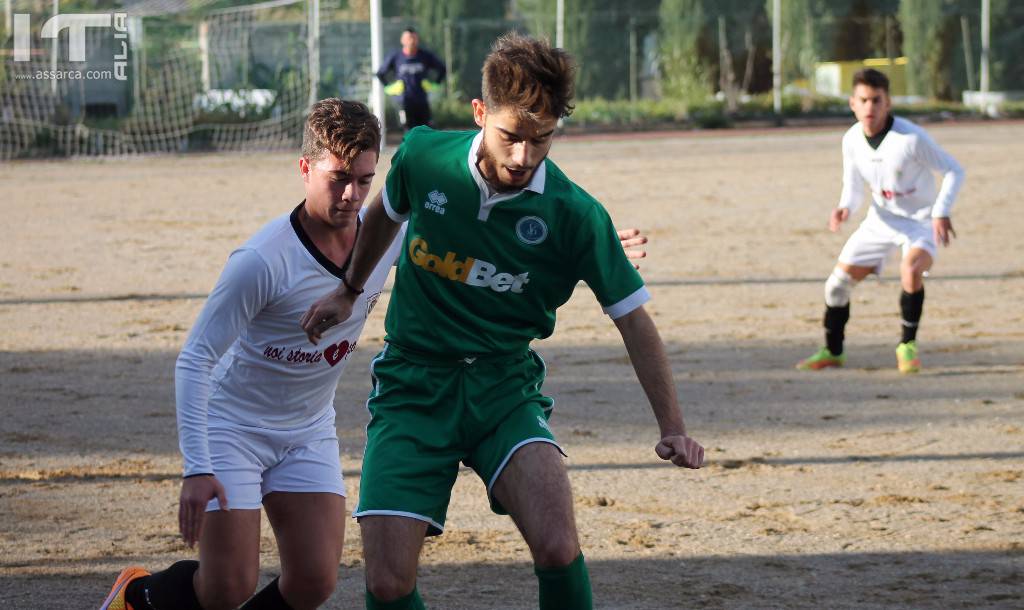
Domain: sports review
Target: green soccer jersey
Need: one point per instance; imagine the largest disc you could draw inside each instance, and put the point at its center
(481, 274)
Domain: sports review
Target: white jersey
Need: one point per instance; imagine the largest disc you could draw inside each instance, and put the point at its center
(899, 173)
(247, 361)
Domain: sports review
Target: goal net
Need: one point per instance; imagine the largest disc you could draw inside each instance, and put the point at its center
(174, 76)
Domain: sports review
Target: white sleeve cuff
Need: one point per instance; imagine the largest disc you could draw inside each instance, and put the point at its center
(628, 304)
(392, 214)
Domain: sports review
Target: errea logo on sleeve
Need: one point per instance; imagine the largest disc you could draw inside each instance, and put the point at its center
(435, 202)
(471, 271)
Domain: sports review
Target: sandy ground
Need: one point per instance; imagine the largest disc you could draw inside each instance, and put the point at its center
(855, 488)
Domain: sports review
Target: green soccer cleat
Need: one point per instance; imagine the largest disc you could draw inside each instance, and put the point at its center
(822, 359)
(907, 360)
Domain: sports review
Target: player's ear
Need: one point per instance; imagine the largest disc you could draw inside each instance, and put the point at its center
(304, 168)
(479, 112)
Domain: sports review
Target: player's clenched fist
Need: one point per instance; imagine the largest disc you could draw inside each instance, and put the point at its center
(681, 451)
(326, 312)
(837, 218)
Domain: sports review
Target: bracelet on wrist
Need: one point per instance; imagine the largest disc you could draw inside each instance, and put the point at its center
(350, 287)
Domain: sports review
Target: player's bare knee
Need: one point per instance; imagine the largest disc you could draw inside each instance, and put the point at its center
(556, 550)
(387, 585)
(838, 288)
(912, 272)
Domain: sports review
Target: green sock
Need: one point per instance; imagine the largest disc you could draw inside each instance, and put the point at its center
(566, 588)
(411, 601)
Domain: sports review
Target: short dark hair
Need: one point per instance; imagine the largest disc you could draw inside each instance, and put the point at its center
(872, 78)
(410, 29)
(529, 76)
(342, 127)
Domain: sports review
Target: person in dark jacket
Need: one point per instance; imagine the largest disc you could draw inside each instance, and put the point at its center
(411, 66)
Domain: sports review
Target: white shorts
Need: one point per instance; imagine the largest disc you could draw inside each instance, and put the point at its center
(252, 462)
(876, 238)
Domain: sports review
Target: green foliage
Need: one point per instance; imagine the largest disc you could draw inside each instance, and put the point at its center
(1013, 110)
(620, 112)
(925, 43)
(935, 108)
(684, 77)
(452, 113)
(1007, 69)
(761, 106)
(597, 34)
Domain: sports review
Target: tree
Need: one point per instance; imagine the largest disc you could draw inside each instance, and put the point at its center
(683, 75)
(926, 43)
(597, 34)
(1007, 71)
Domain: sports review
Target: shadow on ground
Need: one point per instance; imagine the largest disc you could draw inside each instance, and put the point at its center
(980, 579)
(75, 402)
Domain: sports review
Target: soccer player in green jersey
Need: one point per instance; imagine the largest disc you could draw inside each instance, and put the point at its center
(497, 239)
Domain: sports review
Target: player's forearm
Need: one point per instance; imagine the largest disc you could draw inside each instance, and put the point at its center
(647, 353)
(191, 385)
(376, 234)
(952, 181)
(852, 195)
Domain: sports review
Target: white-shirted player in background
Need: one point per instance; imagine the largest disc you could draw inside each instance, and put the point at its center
(896, 159)
(255, 400)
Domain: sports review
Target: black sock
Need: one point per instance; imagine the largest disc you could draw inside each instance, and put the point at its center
(170, 589)
(267, 598)
(911, 305)
(835, 325)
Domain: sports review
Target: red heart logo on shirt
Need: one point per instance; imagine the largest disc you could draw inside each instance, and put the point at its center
(334, 353)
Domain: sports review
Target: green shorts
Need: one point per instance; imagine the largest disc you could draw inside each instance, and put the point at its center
(427, 414)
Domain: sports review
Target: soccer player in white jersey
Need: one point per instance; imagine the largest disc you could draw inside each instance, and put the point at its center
(897, 159)
(255, 402)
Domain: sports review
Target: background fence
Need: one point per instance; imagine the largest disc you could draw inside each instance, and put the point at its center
(222, 75)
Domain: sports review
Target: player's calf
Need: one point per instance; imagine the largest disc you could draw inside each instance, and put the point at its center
(226, 593)
(306, 590)
(838, 288)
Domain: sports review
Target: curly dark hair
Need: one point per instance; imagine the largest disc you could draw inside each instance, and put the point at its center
(529, 76)
(341, 127)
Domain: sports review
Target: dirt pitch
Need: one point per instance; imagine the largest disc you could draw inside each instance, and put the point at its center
(855, 488)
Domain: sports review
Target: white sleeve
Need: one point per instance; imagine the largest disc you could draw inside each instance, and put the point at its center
(241, 292)
(853, 183)
(930, 154)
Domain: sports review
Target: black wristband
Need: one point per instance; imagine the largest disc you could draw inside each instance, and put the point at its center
(350, 287)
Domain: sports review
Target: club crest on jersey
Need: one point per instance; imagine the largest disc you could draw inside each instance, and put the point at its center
(531, 230)
(435, 202)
